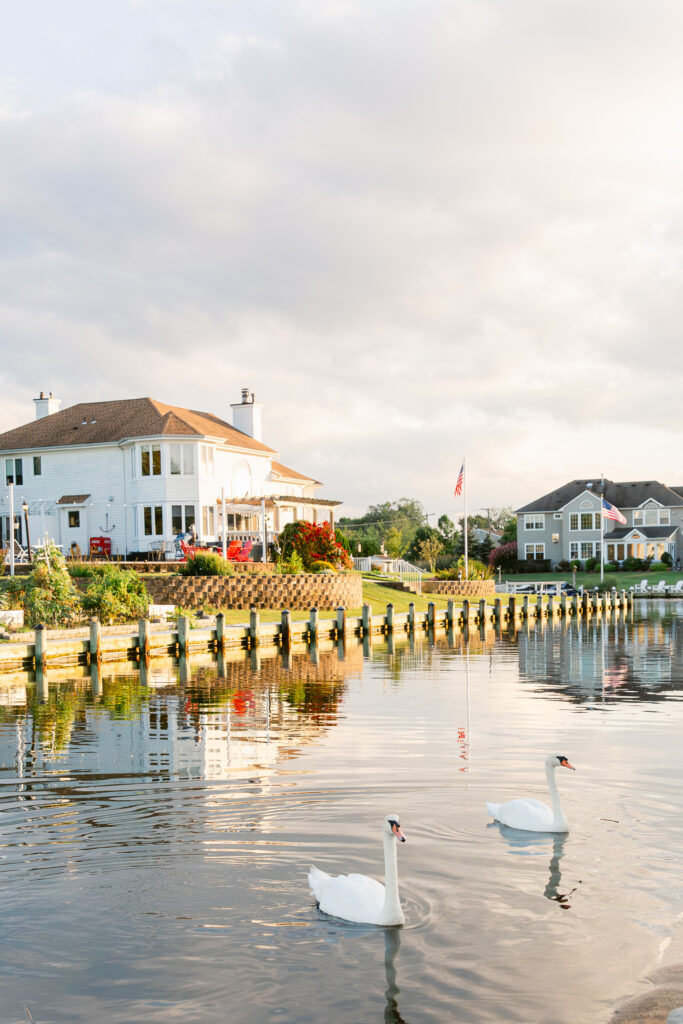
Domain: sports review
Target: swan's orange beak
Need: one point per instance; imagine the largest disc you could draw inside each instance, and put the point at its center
(566, 764)
(396, 829)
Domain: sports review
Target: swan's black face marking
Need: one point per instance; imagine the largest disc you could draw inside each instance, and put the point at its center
(564, 761)
(396, 829)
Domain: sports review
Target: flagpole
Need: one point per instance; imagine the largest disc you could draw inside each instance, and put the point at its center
(602, 532)
(464, 492)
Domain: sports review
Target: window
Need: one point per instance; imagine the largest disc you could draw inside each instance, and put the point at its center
(182, 459)
(14, 472)
(557, 515)
(37, 465)
(153, 520)
(208, 520)
(74, 518)
(150, 460)
(182, 518)
(535, 551)
(206, 457)
(574, 521)
(597, 520)
(586, 520)
(664, 517)
(574, 549)
(651, 517)
(587, 549)
(534, 521)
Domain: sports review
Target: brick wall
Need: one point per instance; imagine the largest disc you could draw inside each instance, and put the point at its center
(452, 588)
(319, 590)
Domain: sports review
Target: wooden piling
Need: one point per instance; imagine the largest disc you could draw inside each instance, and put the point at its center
(411, 617)
(183, 632)
(512, 609)
(254, 622)
(525, 607)
(575, 604)
(285, 629)
(313, 625)
(430, 615)
(497, 612)
(465, 612)
(143, 639)
(481, 614)
(563, 605)
(95, 641)
(40, 646)
(341, 622)
(366, 619)
(390, 618)
(220, 632)
(450, 613)
(550, 610)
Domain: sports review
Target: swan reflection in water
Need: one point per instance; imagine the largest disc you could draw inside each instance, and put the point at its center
(536, 842)
(392, 944)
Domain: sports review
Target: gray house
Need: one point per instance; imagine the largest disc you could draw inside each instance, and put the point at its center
(565, 524)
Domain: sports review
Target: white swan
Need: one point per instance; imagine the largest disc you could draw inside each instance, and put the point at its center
(359, 898)
(532, 815)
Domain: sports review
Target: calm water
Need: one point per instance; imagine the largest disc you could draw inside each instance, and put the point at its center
(156, 834)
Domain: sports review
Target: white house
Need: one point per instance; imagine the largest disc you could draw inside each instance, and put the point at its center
(139, 472)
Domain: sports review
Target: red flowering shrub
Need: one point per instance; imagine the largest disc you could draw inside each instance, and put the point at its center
(316, 542)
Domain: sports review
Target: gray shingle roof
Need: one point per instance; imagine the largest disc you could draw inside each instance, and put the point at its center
(648, 532)
(630, 494)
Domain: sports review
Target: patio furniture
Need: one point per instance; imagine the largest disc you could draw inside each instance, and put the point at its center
(642, 588)
(20, 554)
(234, 548)
(677, 589)
(243, 555)
(660, 588)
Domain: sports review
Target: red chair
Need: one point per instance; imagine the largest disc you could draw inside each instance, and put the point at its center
(243, 556)
(233, 549)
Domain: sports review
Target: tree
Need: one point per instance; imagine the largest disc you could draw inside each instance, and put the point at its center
(429, 550)
(394, 543)
(509, 530)
(371, 529)
(448, 534)
(51, 597)
(421, 534)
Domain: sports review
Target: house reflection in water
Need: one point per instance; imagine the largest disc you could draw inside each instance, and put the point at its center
(239, 725)
(608, 659)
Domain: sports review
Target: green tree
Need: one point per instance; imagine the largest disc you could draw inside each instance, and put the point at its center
(394, 543)
(50, 597)
(448, 534)
(429, 550)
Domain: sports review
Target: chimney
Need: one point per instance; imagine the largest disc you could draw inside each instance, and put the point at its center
(246, 415)
(46, 405)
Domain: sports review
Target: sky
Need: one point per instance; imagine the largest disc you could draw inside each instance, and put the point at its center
(417, 230)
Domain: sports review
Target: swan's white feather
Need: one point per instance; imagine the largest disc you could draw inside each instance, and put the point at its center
(526, 813)
(352, 897)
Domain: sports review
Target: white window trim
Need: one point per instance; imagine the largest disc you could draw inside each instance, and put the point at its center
(533, 545)
(534, 521)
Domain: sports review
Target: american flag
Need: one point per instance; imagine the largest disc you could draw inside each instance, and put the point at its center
(460, 481)
(612, 512)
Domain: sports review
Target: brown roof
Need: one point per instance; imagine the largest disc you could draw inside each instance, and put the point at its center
(274, 499)
(291, 474)
(109, 422)
(72, 499)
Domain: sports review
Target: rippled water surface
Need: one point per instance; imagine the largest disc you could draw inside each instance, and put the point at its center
(156, 830)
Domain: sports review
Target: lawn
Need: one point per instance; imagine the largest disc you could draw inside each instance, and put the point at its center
(588, 580)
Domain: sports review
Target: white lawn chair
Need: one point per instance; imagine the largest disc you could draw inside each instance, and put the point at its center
(660, 588)
(677, 589)
(642, 588)
(20, 554)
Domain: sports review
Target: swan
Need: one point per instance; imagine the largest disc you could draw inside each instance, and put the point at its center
(532, 815)
(359, 898)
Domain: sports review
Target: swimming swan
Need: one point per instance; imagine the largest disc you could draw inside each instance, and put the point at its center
(359, 898)
(532, 815)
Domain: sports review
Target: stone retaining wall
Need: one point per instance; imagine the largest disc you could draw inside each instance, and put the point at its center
(300, 592)
(454, 588)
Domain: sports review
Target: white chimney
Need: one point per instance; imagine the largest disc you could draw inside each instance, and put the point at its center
(246, 415)
(46, 405)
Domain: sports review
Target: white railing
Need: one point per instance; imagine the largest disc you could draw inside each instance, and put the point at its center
(405, 571)
(408, 573)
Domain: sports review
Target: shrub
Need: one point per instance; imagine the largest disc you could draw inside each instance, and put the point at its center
(206, 563)
(290, 566)
(50, 596)
(667, 560)
(313, 542)
(80, 570)
(564, 565)
(592, 564)
(608, 583)
(186, 613)
(504, 556)
(322, 567)
(115, 595)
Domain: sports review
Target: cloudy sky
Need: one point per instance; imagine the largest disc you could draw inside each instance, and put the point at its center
(416, 229)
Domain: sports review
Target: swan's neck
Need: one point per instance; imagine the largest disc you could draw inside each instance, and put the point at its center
(392, 903)
(558, 814)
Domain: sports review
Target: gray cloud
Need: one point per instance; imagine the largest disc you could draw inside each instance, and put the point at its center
(415, 230)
